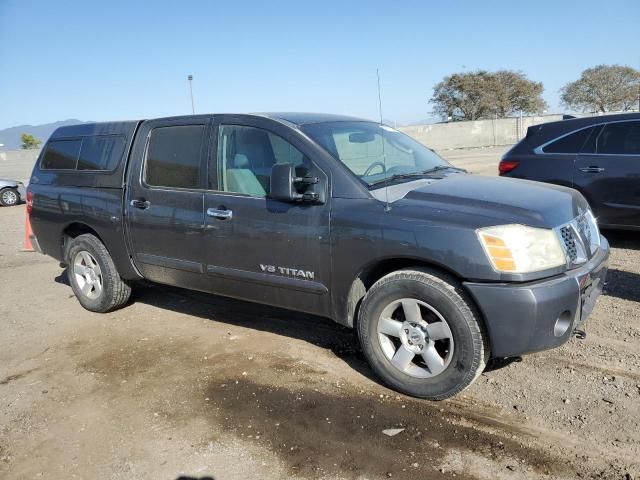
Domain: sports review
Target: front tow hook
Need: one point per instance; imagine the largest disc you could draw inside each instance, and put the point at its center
(579, 334)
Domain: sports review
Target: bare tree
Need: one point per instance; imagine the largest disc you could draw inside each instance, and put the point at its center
(483, 94)
(603, 88)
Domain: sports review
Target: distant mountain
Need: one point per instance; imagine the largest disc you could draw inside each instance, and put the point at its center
(10, 137)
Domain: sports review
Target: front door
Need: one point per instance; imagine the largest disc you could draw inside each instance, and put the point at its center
(261, 249)
(607, 171)
(164, 201)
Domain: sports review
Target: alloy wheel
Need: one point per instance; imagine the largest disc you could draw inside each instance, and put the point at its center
(87, 274)
(415, 338)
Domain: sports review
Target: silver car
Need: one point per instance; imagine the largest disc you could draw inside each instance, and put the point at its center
(12, 192)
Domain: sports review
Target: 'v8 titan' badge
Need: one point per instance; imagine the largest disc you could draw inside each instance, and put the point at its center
(288, 272)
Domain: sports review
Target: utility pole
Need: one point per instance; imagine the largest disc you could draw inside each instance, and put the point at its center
(193, 108)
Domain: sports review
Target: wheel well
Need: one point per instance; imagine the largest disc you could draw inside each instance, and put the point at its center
(72, 231)
(372, 273)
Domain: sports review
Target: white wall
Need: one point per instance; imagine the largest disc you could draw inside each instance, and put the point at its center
(474, 134)
(17, 164)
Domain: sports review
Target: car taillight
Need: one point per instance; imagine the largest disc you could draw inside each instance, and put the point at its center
(506, 166)
(29, 202)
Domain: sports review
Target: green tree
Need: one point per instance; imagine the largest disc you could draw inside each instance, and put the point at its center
(603, 88)
(515, 93)
(482, 94)
(29, 141)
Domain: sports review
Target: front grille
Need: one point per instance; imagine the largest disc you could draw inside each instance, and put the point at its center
(569, 240)
(580, 238)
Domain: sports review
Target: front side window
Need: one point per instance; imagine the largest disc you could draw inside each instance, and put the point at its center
(174, 156)
(246, 155)
(61, 155)
(372, 151)
(620, 138)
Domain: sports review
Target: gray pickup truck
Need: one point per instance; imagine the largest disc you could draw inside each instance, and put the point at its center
(437, 269)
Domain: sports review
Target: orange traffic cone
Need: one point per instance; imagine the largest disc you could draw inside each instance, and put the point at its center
(27, 235)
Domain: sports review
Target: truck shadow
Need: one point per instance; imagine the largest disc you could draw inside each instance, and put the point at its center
(319, 331)
(626, 239)
(622, 284)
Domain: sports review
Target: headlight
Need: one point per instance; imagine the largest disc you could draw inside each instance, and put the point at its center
(521, 249)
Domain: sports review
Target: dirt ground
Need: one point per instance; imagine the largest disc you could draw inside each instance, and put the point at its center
(186, 384)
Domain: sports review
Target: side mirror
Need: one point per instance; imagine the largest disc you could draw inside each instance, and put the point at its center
(283, 184)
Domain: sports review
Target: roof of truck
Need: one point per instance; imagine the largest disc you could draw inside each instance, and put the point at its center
(98, 128)
(106, 128)
(302, 118)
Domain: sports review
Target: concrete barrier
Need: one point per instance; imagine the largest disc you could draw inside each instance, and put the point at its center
(17, 164)
(474, 134)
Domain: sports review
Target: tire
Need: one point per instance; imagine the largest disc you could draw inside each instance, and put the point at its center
(9, 197)
(103, 290)
(436, 321)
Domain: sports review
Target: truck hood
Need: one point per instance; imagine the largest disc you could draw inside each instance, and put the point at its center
(488, 200)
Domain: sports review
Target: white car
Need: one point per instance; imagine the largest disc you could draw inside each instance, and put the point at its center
(12, 192)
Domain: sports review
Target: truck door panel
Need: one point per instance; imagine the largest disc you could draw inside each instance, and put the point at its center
(164, 201)
(258, 248)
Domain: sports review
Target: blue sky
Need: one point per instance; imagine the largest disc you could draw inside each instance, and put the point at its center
(107, 60)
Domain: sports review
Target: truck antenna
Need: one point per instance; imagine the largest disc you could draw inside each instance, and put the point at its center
(384, 156)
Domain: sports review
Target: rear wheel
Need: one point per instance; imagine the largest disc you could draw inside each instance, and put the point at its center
(9, 197)
(421, 334)
(93, 275)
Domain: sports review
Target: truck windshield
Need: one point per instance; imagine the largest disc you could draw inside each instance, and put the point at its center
(375, 153)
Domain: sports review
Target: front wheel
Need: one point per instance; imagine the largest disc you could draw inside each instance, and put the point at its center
(422, 334)
(93, 275)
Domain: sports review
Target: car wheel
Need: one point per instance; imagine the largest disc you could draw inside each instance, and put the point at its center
(93, 275)
(9, 197)
(422, 334)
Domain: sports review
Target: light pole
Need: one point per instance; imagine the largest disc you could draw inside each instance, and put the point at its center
(193, 108)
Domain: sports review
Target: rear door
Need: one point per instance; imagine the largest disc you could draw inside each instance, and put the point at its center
(258, 248)
(164, 201)
(607, 171)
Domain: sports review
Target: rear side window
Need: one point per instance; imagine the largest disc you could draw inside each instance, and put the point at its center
(571, 143)
(61, 155)
(621, 138)
(101, 152)
(174, 156)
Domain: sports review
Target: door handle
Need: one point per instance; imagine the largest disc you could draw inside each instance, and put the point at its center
(141, 204)
(591, 169)
(221, 214)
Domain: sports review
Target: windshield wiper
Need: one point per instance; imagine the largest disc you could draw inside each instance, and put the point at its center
(416, 174)
(443, 167)
(397, 176)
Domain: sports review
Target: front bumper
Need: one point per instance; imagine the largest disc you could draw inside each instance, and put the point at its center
(529, 317)
(22, 192)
